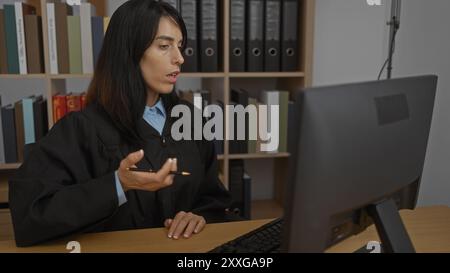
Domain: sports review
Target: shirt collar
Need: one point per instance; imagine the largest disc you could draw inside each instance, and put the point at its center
(158, 108)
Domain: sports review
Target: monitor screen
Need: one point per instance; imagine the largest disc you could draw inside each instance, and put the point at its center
(358, 158)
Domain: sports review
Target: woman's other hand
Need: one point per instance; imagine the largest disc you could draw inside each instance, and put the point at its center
(184, 224)
(145, 181)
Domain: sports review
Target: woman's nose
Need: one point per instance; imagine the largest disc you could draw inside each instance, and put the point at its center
(179, 57)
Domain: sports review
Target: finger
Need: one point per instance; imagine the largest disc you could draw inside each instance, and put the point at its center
(133, 158)
(144, 178)
(191, 226)
(164, 171)
(182, 224)
(174, 224)
(168, 222)
(169, 179)
(200, 225)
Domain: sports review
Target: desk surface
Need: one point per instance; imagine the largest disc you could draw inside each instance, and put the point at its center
(429, 229)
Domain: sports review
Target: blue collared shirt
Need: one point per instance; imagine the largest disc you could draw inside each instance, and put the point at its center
(156, 117)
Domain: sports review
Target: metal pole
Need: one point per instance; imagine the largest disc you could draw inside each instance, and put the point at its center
(394, 24)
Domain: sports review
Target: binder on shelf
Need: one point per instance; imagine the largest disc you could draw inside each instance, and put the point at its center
(62, 10)
(209, 37)
(3, 54)
(9, 133)
(272, 39)
(189, 14)
(174, 3)
(289, 39)
(34, 45)
(255, 36)
(21, 10)
(237, 35)
(11, 39)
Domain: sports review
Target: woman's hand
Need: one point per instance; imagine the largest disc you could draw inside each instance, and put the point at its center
(184, 223)
(144, 181)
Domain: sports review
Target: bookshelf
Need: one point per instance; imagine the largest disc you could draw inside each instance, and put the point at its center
(219, 83)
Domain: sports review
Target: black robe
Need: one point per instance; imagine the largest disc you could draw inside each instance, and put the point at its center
(67, 185)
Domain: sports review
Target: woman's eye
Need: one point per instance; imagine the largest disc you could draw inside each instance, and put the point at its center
(164, 47)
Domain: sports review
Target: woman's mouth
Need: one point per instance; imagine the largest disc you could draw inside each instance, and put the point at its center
(173, 77)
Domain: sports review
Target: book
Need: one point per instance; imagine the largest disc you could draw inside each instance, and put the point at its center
(73, 102)
(74, 33)
(33, 37)
(59, 106)
(22, 9)
(86, 12)
(52, 47)
(9, 134)
(3, 54)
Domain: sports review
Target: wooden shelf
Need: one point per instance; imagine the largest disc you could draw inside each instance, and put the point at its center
(202, 75)
(266, 74)
(70, 76)
(23, 77)
(266, 209)
(182, 75)
(12, 166)
(258, 155)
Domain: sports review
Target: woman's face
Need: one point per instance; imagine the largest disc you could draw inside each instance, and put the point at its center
(162, 61)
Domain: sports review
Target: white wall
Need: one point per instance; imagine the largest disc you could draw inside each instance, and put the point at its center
(423, 47)
(351, 41)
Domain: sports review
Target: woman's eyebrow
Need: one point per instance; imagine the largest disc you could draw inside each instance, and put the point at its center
(167, 38)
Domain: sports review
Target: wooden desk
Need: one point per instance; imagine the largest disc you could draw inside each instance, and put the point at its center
(429, 229)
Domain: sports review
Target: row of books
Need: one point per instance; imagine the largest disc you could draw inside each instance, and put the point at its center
(241, 97)
(75, 37)
(21, 47)
(23, 122)
(279, 98)
(62, 104)
(264, 35)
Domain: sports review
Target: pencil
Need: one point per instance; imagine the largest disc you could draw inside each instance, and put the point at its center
(152, 171)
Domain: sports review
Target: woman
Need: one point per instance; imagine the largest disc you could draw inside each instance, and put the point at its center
(76, 179)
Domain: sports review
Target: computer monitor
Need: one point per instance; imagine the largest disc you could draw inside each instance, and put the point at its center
(358, 157)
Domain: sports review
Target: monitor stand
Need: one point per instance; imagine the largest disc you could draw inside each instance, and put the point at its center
(393, 235)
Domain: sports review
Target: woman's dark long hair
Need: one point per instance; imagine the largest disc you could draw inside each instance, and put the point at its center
(118, 86)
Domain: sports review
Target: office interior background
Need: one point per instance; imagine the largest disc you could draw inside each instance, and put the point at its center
(350, 44)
